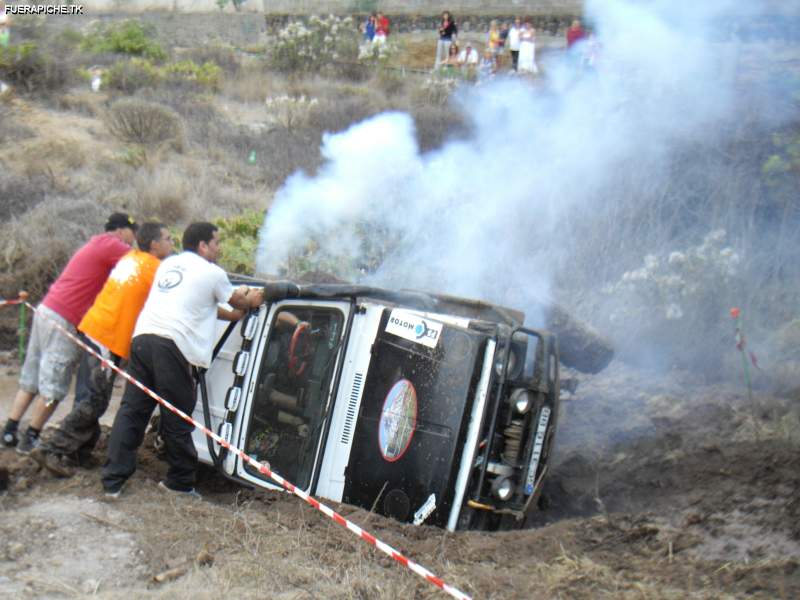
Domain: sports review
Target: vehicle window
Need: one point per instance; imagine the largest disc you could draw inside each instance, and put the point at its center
(289, 406)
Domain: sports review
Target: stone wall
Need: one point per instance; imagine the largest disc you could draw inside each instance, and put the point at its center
(428, 7)
(307, 7)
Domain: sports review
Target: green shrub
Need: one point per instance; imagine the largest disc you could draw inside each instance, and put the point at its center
(127, 76)
(223, 56)
(26, 67)
(206, 75)
(128, 37)
(134, 74)
(70, 37)
(239, 237)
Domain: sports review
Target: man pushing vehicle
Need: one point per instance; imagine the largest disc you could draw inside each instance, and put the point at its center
(175, 332)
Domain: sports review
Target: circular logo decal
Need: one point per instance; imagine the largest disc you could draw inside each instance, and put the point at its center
(398, 420)
(169, 280)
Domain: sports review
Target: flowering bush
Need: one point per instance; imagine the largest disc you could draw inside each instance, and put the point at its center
(679, 300)
(291, 111)
(316, 44)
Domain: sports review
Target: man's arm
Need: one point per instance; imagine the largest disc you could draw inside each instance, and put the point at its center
(244, 298)
(223, 314)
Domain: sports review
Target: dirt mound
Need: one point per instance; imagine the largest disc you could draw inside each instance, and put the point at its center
(663, 487)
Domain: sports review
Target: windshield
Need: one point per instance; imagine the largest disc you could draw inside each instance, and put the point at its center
(291, 395)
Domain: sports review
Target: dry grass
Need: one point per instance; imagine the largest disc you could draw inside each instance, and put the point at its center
(161, 194)
(43, 156)
(35, 246)
(250, 84)
(82, 102)
(19, 193)
(417, 53)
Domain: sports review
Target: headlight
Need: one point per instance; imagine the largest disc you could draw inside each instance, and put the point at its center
(502, 488)
(522, 400)
(512, 365)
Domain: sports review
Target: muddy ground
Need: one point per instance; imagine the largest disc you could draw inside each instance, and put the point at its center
(663, 487)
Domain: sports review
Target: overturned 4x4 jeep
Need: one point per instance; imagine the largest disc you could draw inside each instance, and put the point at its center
(429, 409)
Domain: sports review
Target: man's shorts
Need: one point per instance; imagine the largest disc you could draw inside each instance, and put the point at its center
(51, 357)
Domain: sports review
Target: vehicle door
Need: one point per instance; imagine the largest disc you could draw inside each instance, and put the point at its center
(290, 389)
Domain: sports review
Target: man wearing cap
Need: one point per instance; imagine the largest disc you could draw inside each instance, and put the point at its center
(51, 356)
(107, 328)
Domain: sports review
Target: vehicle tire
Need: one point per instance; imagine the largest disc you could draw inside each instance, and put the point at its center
(579, 345)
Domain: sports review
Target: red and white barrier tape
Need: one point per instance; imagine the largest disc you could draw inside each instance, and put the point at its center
(264, 469)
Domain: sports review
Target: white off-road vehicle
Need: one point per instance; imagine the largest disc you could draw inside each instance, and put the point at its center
(426, 408)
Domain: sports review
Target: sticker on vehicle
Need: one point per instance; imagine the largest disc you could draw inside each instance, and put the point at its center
(410, 326)
(538, 444)
(425, 510)
(398, 420)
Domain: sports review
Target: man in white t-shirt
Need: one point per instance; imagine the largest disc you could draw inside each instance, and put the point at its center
(175, 332)
(468, 59)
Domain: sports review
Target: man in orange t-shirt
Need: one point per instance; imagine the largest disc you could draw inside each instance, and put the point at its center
(108, 328)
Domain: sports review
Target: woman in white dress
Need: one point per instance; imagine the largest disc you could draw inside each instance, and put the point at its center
(527, 49)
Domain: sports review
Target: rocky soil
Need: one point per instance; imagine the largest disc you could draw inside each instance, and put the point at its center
(663, 487)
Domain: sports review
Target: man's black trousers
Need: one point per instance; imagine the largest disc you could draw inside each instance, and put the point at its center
(158, 364)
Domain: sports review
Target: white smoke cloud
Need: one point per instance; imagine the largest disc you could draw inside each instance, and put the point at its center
(485, 216)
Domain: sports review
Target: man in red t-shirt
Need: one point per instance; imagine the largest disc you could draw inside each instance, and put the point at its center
(575, 33)
(51, 356)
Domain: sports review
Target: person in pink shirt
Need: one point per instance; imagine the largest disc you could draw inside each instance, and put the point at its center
(575, 33)
(51, 356)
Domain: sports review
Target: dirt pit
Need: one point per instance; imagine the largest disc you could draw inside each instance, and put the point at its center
(661, 487)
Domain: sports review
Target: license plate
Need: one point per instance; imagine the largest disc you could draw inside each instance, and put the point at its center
(538, 444)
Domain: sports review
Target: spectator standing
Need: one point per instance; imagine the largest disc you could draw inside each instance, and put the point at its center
(369, 28)
(381, 29)
(501, 49)
(575, 33)
(107, 327)
(51, 356)
(493, 40)
(527, 49)
(448, 30)
(513, 42)
(175, 332)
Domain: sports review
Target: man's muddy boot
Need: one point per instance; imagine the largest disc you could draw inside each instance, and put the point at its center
(57, 464)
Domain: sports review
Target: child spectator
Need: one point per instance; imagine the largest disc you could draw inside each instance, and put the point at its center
(487, 66)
